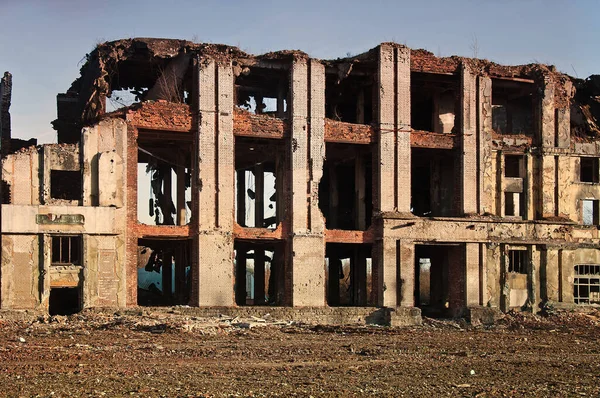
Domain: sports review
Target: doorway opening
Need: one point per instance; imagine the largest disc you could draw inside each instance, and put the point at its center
(259, 273)
(439, 279)
(64, 301)
(164, 268)
(349, 275)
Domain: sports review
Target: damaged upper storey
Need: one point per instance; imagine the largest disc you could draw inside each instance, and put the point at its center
(162, 69)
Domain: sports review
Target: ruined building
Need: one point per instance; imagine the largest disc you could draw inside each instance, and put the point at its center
(199, 174)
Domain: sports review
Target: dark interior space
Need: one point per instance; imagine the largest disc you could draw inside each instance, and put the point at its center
(65, 184)
(260, 166)
(434, 102)
(349, 275)
(166, 185)
(345, 190)
(66, 249)
(439, 279)
(259, 272)
(263, 90)
(432, 183)
(349, 98)
(589, 170)
(64, 301)
(164, 272)
(512, 107)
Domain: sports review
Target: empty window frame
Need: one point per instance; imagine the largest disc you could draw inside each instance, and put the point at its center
(517, 261)
(65, 184)
(590, 209)
(513, 204)
(512, 107)
(586, 284)
(513, 166)
(589, 170)
(66, 250)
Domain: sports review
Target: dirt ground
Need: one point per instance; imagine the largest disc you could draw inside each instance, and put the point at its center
(166, 354)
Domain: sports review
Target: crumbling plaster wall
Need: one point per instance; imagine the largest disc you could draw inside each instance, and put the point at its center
(571, 190)
(58, 157)
(21, 172)
(20, 282)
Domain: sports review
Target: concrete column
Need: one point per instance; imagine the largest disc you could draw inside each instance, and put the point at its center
(167, 274)
(307, 151)
(546, 104)
(360, 276)
(214, 182)
(335, 265)
(167, 196)
(241, 197)
(500, 183)
(359, 189)
(259, 276)
(407, 273)
(468, 140)
(547, 186)
(472, 277)
(563, 120)
(333, 197)
(181, 195)
(529, 188)
(394, 150)
(486, 176)
(240, 275)
(259, 196)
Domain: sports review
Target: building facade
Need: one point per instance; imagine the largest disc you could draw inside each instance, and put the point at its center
(198, 174)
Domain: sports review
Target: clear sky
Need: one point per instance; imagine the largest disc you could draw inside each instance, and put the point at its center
(43, 42)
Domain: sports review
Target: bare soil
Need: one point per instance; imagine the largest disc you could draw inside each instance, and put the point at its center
(165, 354)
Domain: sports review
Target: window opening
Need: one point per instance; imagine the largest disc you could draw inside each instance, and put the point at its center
(164, 268)
(589, 170)
(259, 273)
(66, 250)
(65, 184)
(512, 107)
(513, 166)
(349, 275)
(434, 102)
(591, 211)
(586, 284)
(517, 261)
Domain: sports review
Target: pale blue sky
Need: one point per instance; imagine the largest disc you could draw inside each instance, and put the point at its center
(42, 42)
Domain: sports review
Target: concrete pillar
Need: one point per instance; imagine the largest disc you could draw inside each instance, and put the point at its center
(359, 189)
(307, 151)
(335, 265)
(547, 185)
(213, 186)
(407, 273)
(241, 197)
(563, 120)
(468, 109)
(485, 175)
(259, 275)
(240, 275)
(472, 276)
(167, 274)
(359, 283)
(167, 196)
(333, 198)
(181, 195)
(394, 129)
(259, 196)
(546, 104)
